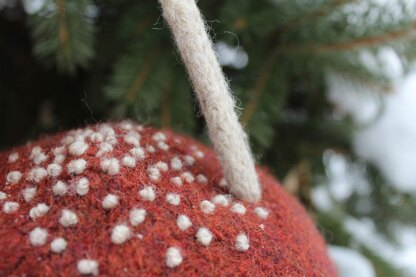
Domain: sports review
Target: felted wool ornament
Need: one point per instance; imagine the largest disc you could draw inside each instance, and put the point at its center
(122, 199)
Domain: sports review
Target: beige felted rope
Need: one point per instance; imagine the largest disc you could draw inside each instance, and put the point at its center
(212, 90)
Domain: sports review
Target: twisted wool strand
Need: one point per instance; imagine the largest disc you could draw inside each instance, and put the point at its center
(217, 104)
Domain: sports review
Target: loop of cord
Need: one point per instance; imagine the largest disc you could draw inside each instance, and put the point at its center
(217, 104)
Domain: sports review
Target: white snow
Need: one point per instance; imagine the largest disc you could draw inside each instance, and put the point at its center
(389, 139)
(232, 56)
(386, 137)
(402, 255)
(350, 262)
(390, 142)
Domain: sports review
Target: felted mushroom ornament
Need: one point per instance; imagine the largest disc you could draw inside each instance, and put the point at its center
(123, 199)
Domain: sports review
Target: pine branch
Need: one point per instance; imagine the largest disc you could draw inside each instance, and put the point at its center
(358, 43)
(142, 75)
(381, 85)
(63, 29)
(257, 91)
(308, 16)
(167, 107)
(63, 34)
(382, 266)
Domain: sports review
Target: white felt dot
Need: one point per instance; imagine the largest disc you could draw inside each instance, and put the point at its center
(13, 157)
(35, 151)
(262, 226)
(10, 207)
(177, 181)
(104, 148)
(238, 208)
(204, 236)
(207, 207)
(110, 201)
(76, 166)
(59, 159)
(67, 140)
(60, 188)
(189, 160)
(162, 166)
(159, 136)
(58, 245)
(110, 166)
(132, 138)
(173, 257)
(120, 234)
(139, 128)
(3, 195)
(129, 161)
(58, 150)
(68, 218)
(78, 147)
(261, 212)
(82, 186)
(242, 242)
(137, 216)
(87, 266)
(107, 131)
(29, 194)
(183, 222)
(150, 149)
(87, 132)
(163, 146)
(176, 163)
(126, 125)
(13, 177)
(138, 153)
(111, 140)
(39, 158)
(173, 198)
(38, 211)
(201, 179)
(37, 174)
(199, 154)
(220, 200)
(96, 137)
(153, 173)
(187, 177)
(148, 193)
(38, 236)
(54, 170)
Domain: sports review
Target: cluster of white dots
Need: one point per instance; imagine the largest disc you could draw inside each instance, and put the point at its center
(76, 144)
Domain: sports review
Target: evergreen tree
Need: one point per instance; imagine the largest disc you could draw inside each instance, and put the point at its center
(69, 62)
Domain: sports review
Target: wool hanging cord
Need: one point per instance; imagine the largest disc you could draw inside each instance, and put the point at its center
(217, 104)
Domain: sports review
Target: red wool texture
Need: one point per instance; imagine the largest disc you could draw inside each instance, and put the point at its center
(281, 238)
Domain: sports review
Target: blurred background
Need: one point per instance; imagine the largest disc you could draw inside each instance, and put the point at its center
(326, 90)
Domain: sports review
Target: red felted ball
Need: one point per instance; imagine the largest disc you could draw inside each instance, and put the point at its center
(127, 200)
